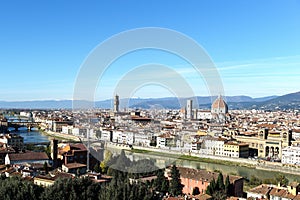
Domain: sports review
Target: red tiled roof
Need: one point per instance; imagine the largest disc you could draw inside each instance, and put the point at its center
(261, 189)
(219, 103)
(204, 175)
(78, 146)
(28, 156)
(74, 165)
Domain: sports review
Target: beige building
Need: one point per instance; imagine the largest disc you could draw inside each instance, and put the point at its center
(43, 181)
(236, 150)
(267, 143)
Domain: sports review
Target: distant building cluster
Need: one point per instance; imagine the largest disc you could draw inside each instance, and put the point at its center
(265, 138)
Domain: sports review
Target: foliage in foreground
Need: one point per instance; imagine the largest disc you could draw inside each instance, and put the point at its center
(15, 188)
(120, 187)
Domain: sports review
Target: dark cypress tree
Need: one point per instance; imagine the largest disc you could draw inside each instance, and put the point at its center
(227, 186)
(161, 183)
(208, 190)
(159, 180)
(220, 182)
(211, 188)
(176, 187)
(14, 188)
(213, 185)
(165, 186)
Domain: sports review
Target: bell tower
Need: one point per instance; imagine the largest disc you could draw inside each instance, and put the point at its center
(116, 103)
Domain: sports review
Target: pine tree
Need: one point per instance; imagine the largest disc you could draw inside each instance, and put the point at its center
(227, 186)
(220, 182)
(176, 187)
(211, 187)
(213, 184)
(161, 184)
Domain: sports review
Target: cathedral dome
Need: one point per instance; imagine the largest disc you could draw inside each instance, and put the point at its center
(219, 106)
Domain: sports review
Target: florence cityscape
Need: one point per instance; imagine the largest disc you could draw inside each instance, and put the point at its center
(171, 100)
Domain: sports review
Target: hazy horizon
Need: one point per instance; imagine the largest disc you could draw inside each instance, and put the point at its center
(254, 45)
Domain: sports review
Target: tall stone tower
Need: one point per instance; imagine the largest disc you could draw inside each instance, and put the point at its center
(189, 107)
(116, 103)
(54, 151)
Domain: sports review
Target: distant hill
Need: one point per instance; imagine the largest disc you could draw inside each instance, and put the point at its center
(288, 101)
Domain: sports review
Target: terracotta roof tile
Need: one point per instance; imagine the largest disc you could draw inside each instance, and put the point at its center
(29, 155)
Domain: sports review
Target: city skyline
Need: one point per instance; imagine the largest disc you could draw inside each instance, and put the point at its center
(254, 45)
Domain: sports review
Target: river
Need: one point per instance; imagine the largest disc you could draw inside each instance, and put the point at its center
(245, 172)
(35, 136)
(38, 137)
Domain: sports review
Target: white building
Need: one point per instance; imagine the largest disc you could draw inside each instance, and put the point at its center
(125, 137)
(142, 139)
(67, 129)
(79, 131)
(166, 140)
(106, 135)
(116, 134)
(213, 146)
(204, 114)
(291, 155)
(25, 114)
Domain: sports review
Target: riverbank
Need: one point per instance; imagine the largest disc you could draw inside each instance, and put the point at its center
(61, 136)
(192, 158)
(251, 164)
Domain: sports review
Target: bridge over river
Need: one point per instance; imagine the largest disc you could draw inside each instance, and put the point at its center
(18, 124)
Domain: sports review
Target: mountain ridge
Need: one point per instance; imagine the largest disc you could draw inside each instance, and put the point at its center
(291, 100)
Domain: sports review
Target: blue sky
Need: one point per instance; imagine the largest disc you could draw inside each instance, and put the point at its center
(254, 44)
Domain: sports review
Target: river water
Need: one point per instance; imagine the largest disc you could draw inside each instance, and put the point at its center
(245, 172)
(35, 136)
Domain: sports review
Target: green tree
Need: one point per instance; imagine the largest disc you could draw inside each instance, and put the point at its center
(219, 195)
(220, 182)
(280, 178)
(105, 162)
(165, 186)
(216, 191)
(77, 188)
(227, 186)
(176, 187)
(254, 181)
(211, 187)
(97, 168)
(161, 183)
(15, 188)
